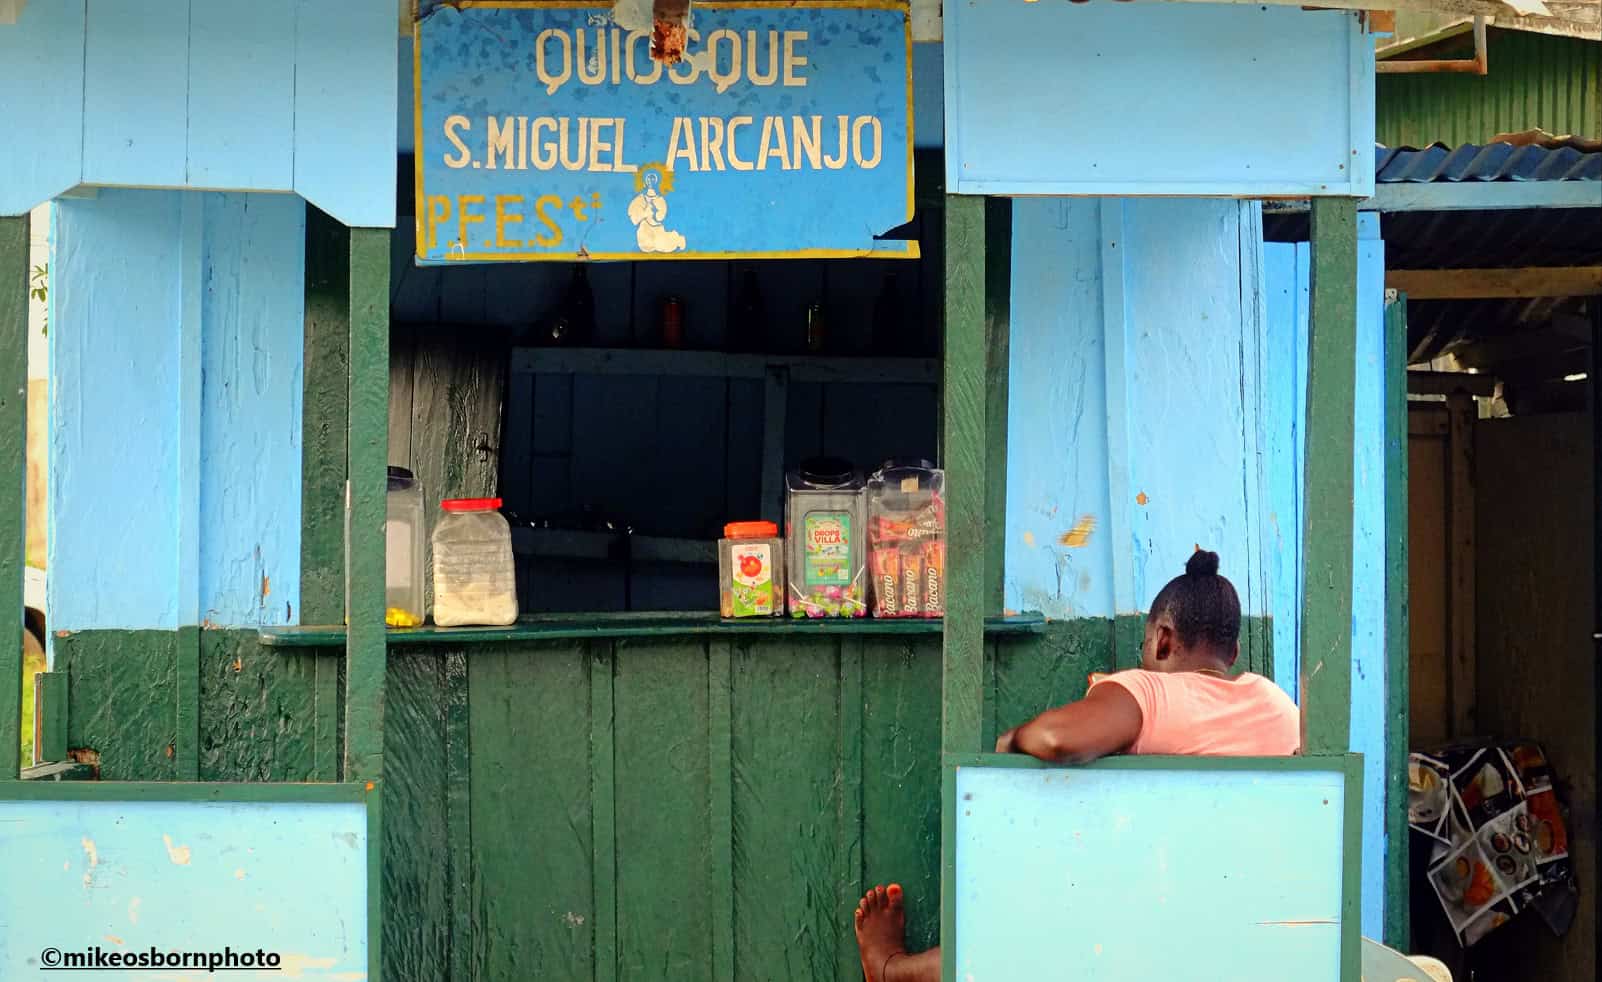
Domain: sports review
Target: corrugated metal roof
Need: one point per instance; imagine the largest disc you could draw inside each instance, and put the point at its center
(1491, 162)
(1535, 81)
(1523, 341)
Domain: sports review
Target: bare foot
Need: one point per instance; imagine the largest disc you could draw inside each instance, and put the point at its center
(881, 929)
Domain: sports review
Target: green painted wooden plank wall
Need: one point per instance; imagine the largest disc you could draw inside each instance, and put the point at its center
(748, 787)
(677, 809)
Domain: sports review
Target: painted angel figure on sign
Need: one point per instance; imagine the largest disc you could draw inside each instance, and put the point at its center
(649, 208)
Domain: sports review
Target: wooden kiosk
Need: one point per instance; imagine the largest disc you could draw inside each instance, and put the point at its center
(632, 796)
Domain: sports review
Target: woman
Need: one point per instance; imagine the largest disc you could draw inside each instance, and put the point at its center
(1182, 700)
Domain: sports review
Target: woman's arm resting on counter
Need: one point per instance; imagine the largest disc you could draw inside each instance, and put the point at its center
(1107, 721)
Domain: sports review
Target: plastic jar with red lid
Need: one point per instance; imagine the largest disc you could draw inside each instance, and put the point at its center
(475, 576)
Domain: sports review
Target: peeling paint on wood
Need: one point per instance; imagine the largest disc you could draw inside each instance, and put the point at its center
(1078, 536)
(178, 855)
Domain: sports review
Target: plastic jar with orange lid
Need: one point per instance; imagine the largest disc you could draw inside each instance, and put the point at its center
(751, 570)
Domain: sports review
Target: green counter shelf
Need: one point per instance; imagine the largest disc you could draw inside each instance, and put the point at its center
(567, 627)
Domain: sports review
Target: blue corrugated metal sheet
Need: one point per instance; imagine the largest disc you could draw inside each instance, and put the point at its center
(1491, 162)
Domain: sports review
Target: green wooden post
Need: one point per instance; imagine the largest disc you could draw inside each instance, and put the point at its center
(963, 450)
(13, 475)
(998, 342)
(50, 701)
(1398, 928)
(1327, 559)
(964, 459)
(368, 463)
(326, 400)
(367, 452)
(323, 420)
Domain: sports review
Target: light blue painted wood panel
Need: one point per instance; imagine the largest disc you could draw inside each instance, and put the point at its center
(114, 366)
(43, 153)
(1287, 290)
(231, 94)
(1037, 850)
(290, 879)
(1248, 100)
(1192, 399)
(176, 410)
(242, 95)
(1257, 598)
(1057, 412)
(191, 328)
(1135, 401)
(1368, 567)
(344, 109)
(136, 93)
(252, 309)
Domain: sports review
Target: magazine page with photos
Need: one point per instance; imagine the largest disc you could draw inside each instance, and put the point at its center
(1497, 840)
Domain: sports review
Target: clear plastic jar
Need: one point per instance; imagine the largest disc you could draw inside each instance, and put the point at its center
(751, 570)
(405, 545)
(907, 539)
(475, 576)
(827, 561)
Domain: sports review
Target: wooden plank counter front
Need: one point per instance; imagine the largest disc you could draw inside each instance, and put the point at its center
(669, 797)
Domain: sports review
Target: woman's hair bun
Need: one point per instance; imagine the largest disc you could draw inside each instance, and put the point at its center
(1202, 563)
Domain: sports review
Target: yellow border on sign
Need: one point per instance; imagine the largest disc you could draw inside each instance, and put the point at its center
(908, 249)
(419, 201)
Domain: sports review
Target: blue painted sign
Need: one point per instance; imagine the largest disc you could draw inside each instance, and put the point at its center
(145, 889)
(547, 131)
(1032, 843)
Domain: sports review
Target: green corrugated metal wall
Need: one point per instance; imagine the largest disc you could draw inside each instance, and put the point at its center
(1552, 83)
